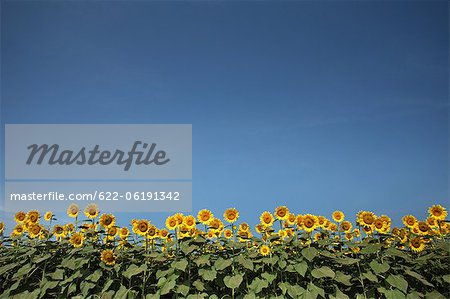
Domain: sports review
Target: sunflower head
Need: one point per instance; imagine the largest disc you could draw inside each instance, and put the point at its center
(409, 221)
(310, 222)
(338, 216)
(264, 250)
(366, 218)
(124, 232)
(171, 223)
(205, 216)
(422, 228)
(91, 211)
(108, 257)
(2, 226)
(244, 226)
(417, 244)
(228, 233)
(142, 227)
(107, 220)
(346, 226)
(282, 213)
(20, 217)
(35, 230)
(266, 219)
(438, 212)
(77, 240)
(48, 216)
(231, 215)
(33, 216)
(73, 210)
(59, 231)
(291, 219)
(163, 233)
(189, 221)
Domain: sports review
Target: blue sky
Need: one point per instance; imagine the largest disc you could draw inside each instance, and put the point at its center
(316, 105)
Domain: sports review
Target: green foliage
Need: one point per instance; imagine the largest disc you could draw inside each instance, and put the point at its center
(293, 269)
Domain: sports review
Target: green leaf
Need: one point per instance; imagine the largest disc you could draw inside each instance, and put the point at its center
(122, 293)
(203, 260)
(310, 253)
(233, 282)
(208, 274)
(245, 262)
(258, 285)
(398, 282)
(168, 286)
(418, 277)
(301, 268)
(133, 270)
(221, 263)
(343, 278)
(199, 285)
(446, 278)
(94, 277)
(434, 295)
(269, 277)
(379, 268)
(183, 289)
(339, 295)
(180, 265)
(370, 276)
(322, 272)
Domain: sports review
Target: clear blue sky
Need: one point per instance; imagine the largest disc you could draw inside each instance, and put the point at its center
(316, 105)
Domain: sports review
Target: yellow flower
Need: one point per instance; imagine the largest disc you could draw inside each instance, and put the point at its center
(322, 221)
(417, 244)
(179, 217)
(69, 228)
(299, 221)
(438, 212)
(18, 229)
(228, 233)
(58, 230)
(33, 216)
(163, 233)
(348, 236)
(34, 230)
(432, 222)
(380, 225)
(73, 210)
(282, 233)
(310, 222)
(142, 227)
(356, 232)
(124, 232)
(409, 221)
(422, 228)
(20, 217)
(48, 216)
(338, 216)
(266, 219)
(77, 240)
(333, 227)
(259, 228)
(291, 219)
(189, 221)
(2, 226)
(216, 224)
(171, 223)
(244, 227)
(108, 257)
(152, 232)
(91, 211)
(366, 218)
(107, 220)
(282, 213)
(244, 236)
(205, 216)
(211, 234)
(112, 232)
(264, 250)
(346, 226)
(231, 215)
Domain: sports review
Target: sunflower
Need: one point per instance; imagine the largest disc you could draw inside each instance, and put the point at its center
(333, 227)
(356, 232)
(346, 226)
(2, 226)
(73, 210)
(163, 233)
(231, 215)
(171, 223)
(349, 236)
(77, 240)
(291, 219)
(432, 222)
(142, 227)
(179, 217)
(380, 225)
(264, 250)
(244, 227)
(189, 221)
(20, 217)
(108, 257)
(91, 211)
(417, 244)
(310, 222)
(322, 221)
(228, 233)
(18, 229)
(259, 228)
(422, 228)
(368, 230)
(409, 221)
(205, 216)
(48, 216)
(211, 234)
(112, 232)
(124, 232)
(266, 219)
(244, 236)
(35, 230)
(33, 216)
(282, 213)
(438, 212)
(58, 231)
(338, 216)
(69, 228)
(107, 220)
(282, 233)
(366, 218)
(152, 232)
(299, 221)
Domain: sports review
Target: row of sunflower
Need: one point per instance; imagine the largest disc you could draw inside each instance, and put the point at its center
(290, 255)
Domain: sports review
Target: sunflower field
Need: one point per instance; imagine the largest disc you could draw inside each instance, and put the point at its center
(286, 255)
